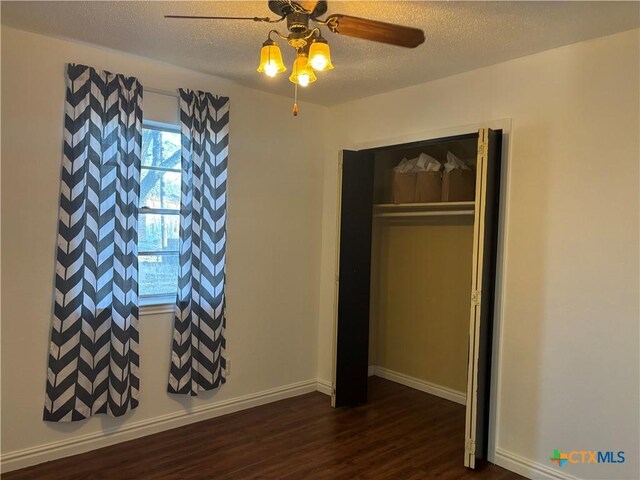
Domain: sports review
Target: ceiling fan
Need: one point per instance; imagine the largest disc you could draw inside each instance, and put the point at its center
(312, 49)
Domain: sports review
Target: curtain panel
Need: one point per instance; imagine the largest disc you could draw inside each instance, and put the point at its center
(197, 360)
(93, 356)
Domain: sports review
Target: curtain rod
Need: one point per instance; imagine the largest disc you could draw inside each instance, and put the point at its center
(161, 92)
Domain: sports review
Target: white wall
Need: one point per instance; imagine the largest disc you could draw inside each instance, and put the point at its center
(569, 366)
(274, 207)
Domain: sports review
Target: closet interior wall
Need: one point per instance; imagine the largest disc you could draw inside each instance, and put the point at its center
(420, 281)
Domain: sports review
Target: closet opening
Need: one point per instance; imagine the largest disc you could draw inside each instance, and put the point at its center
(415, 288)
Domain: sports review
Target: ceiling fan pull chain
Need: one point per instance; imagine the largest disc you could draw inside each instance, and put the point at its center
(295, 100)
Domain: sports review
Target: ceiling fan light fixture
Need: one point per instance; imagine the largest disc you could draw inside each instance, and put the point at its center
(302, 74)
(312, 50)
(271, 59)
(320, 55)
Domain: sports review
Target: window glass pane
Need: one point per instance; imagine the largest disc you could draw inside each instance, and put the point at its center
(160, 148)
(158, 232)
(158, 274)
(159, 189)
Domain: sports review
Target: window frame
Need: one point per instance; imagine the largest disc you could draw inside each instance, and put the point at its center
(158, 303)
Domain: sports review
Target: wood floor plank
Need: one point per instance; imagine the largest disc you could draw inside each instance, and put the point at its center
(401, 434)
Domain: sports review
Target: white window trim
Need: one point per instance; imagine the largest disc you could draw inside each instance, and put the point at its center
(157, 304)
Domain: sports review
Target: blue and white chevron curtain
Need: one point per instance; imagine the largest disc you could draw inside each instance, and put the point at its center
(197, 360)
(93, 356)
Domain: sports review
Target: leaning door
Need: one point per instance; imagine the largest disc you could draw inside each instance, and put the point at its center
(482, 295)
(353, 280)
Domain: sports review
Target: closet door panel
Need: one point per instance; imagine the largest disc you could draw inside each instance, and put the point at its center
(353, 283)
(482, 295)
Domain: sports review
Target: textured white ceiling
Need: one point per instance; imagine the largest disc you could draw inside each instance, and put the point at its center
(461, 36)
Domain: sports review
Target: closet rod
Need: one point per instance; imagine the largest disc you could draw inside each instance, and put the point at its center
(424, 214)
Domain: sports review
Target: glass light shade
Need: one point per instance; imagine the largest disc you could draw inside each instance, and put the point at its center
(320, 56)
(302, 73)
(271, 60)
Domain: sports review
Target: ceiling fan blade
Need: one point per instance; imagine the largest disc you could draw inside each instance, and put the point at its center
(376, 31)
(309, 5)
(255, 19)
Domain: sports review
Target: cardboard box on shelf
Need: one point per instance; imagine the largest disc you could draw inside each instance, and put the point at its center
(459, 186)
(428, 187)
(404, 187)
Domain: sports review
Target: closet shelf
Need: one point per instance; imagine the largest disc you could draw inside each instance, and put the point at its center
(386, 210)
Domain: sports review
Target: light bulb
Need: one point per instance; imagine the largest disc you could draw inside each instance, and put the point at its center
(319, 63)
(270, 59)
(320, 55)
(303, 79)
(271, 69)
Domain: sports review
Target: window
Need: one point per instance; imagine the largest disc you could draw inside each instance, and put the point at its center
(159, 213)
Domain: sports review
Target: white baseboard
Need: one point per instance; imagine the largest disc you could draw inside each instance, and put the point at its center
(503, 458)
(371, 371)
(84, 443)
(324, 386)
(529, 468)
(423, 386)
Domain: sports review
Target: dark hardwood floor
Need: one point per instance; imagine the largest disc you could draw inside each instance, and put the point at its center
(401, 434)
